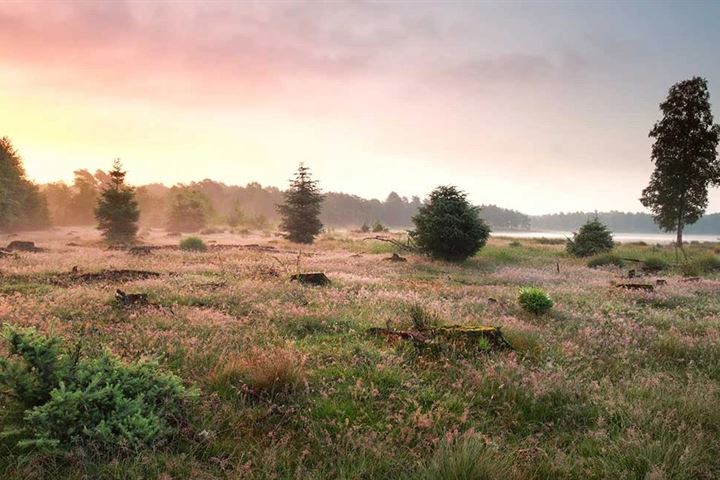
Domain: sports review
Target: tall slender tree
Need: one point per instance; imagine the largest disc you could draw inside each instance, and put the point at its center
(117, 211)
(685, 157)
(301, 210)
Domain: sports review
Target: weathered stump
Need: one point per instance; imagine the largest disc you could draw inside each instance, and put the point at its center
(635, 286)
(131, 299)
(22, 246)
(467, 335)
(317, 279)
(396, 258)
(140, 251)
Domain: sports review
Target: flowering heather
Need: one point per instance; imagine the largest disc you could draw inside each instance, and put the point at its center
(610, 383)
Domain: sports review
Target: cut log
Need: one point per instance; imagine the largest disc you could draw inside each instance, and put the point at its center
(22, 246)
(396, 258)
(318, 279)
(140, 251)
(469, 335)
(117, 276)
(131, 299)
(636, 286)
(691, 279)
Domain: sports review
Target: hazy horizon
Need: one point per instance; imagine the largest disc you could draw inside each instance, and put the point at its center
(537, 107)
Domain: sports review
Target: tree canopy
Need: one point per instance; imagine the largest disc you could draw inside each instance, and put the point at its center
(685, 157)
(22, 206)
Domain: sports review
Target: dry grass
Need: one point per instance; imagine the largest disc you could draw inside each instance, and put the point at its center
(608, 384)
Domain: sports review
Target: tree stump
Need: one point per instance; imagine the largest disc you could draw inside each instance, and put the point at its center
(22, 246)
(140, 251)
(317, 279)
(131, 299)
(468, 335)
(636, 286)
(396, 258)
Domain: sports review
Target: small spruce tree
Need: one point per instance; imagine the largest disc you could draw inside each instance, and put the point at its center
(117, 210)
(448, 227)
(592, 238)
(301, 210)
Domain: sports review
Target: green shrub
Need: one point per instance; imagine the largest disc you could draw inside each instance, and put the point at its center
(193, 244)
(534, 300)
(99, 404)
(448, 227)
(378, 227)
(698, 266)
(604, 260)
(655, 264)
(592, 238)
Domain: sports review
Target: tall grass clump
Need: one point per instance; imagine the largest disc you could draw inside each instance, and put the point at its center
(97, 404)
(534, 300)
(699, 266)
(193, 244)
(655, 264)
(469, 460)
(267, 372)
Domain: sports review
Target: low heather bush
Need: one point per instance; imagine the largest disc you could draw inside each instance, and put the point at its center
(193, 244)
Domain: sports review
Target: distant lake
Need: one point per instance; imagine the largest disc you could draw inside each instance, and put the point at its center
(650, 238)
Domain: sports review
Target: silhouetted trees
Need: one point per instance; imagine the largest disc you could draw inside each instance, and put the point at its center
(685, 157)
(448, 227)
(300, 211)
(117, 210)
(22, 206)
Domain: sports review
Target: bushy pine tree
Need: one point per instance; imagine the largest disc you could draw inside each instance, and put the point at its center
(448, 227)
(117, 211)
(685, 157)
(592, 238)
(301, 211)
(22, 206)
(189, 210)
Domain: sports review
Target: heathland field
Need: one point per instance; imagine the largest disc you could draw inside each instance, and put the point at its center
(288, 383)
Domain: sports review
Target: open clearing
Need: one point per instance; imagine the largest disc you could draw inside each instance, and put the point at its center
(612, 383)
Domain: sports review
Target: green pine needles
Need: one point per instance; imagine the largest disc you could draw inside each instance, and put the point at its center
(117, 211)
(593, 238)
(448, 227)
(301, 210)
(99, 404)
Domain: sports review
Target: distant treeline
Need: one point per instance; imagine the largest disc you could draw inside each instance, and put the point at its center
(252, 205)
(620, 222)
(255, 205)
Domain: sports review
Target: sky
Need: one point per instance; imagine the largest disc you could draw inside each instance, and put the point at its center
(537, 106)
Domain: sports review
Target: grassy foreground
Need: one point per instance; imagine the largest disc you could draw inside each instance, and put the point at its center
(609, 384)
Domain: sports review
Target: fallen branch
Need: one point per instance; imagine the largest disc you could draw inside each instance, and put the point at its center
(449, 333)
(403, 246)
